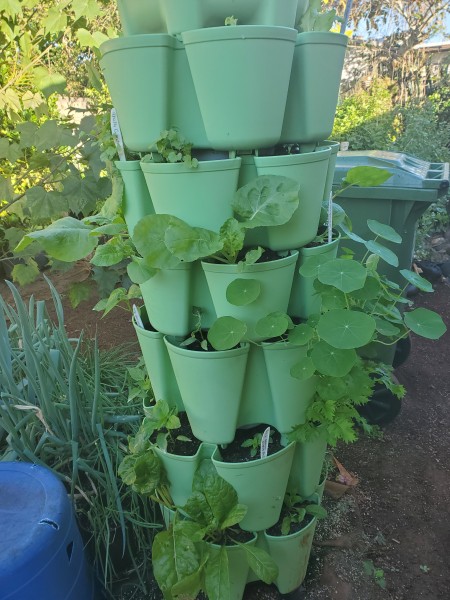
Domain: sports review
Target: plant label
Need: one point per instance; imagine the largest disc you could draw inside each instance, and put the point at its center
(265, 442)
(117, 135)
(137, 317)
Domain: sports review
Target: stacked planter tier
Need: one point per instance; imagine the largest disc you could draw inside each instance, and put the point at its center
(245, 89)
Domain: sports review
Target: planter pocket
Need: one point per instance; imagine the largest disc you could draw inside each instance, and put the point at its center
(137, 202)
(307, 467)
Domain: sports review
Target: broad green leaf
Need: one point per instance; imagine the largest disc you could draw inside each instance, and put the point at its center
(110, 254)
(25, 273)
(113, 204)
(189, 586)
(252, 256)
(84, 192)
(217, 575)
(143, 472)
(332, 361)
(420, 282)
(138, 272)
(110, 229)
(241, 292)
(350, 234)
(303, 369)
(386, 328)
(311, 264)
(367, 176)
(6, 189)
(115, 297)
(232, 235)
(300, 334)
(387, 255)
(346, 329)
(27, 132)
(234, 516)
(260, 563)
(44, 205)
(66, 239)
(55, 21)
(426, 323)
(149, 237)
(191, 243)
(79, 291)
(384, 231)
(370, 291)
(331, 297)
(272, 325)
(267, 200)
(11, 7)
(226, 333)
(332, 388)
(316, 510)
(346, 275)
(86, 38)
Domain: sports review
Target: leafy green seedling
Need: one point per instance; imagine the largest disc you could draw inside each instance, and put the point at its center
(254, 443)
(297, 508)
(172, 147)
(373, 571)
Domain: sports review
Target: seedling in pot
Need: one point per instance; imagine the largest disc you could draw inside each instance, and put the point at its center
(172, 147)
(295, 511)
(256, 444)
(225, 333)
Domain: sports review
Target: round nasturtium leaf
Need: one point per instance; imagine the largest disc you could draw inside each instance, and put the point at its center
(310, 265)
(226, 333)
(332, 361)
(386, 328)
(346, 275)
(426, 323)
(346, 329)
(241, 292)
(384, 231)
(387, 255)
(272, 325)
(304, 369)
(370, 291)
(420, 282)
(301, 334)
(333, 298)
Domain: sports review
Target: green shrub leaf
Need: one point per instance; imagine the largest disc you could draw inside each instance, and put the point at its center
(384, 231)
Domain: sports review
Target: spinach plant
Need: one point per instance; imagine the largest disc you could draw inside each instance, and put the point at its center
(191, 555)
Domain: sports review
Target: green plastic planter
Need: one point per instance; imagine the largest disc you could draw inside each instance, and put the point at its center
(291, 555)
(309, 169)
(238, 567)
(137, 70)
(137, 202)
(260, 485)
(180, 471)
(141, 16)
(290, 396)
(314, 87)
(307, 467)
(304, 300)
(196, 14)
(241, 77)
(167, 299)
(334, 146)
(211, 385)
(274, 277)
(202, 196)
(158, 365)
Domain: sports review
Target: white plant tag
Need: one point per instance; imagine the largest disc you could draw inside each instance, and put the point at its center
(330, 218)
(265, 442)
(137, 317)
(117, 135)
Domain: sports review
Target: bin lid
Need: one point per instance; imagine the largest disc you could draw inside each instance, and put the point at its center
(35, 514)
(408, 171)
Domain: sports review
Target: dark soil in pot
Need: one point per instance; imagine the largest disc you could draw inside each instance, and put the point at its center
(275, 530)
(178, 446)
(235, 452)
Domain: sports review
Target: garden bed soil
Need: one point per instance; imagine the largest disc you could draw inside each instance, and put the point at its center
(397, 518)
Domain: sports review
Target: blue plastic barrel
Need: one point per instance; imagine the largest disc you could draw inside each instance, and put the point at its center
(41, 551)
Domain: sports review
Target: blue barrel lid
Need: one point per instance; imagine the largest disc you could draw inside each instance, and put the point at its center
(408, 171)
(35, 514)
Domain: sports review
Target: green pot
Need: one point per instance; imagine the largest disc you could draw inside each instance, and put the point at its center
(314, 86)
(309, 169)
(158, 365)
(291, 555)
(304, 300)
(211, 386)
(241, 76)
(141, 16)
(307, 466)
(180, 471)
(290, 396)
(260, 485)
(167, 299)
(137, 70)
(238, 567)
(202, 196)
(196, 14)
(334, 146)
(136, 199)
(275, 278)
(256, 405)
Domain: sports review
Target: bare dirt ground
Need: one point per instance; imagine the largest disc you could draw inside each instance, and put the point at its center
(389, 537)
